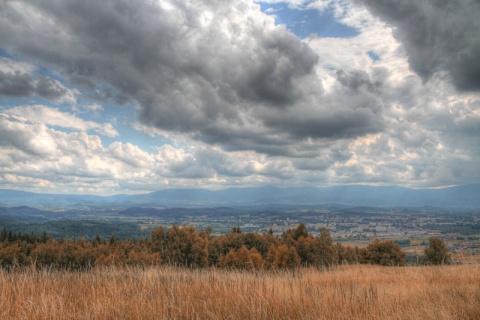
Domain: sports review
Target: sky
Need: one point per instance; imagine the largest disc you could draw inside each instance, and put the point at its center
(124, 97)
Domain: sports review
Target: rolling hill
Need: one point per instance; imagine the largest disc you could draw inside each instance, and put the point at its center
(351, 195)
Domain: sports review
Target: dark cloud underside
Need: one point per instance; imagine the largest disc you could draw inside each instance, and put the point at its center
(16, 84)
(438, 35)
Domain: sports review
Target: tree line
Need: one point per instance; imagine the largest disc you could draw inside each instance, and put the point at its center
(184, 246)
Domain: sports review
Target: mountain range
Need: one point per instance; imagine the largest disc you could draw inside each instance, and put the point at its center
(351, 195)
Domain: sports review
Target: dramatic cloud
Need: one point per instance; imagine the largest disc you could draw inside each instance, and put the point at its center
(130, 96)
(213, 70)
(439, 35)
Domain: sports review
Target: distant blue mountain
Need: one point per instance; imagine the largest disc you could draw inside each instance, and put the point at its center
(351, 195)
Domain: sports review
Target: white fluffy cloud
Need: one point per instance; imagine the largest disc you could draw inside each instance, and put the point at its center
(53, 117)
(37, 157)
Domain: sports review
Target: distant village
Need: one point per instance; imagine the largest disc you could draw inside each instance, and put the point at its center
(410, 228)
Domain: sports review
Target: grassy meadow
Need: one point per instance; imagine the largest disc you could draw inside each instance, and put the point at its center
(344, 292)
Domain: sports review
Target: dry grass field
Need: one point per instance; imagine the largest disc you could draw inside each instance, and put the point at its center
(345, 292)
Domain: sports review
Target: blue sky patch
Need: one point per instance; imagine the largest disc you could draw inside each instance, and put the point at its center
(304, 22)
(5, 54)
(374, 56)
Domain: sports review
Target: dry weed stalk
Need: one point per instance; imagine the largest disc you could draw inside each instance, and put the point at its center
(346, 292)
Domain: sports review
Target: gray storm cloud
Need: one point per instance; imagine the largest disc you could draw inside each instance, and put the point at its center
(19, 84)
(16, 84)
(438, 35)
(219, 71)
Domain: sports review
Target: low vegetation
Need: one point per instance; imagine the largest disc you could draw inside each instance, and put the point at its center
(343, 292)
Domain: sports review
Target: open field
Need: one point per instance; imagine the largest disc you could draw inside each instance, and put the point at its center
(345, 292)
(466, 258)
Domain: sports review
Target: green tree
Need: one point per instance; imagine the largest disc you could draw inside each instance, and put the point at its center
(96, 241)
(300, 231)
(4, 235)
(112, 240)
(236, 229)
(292, 235)
(437, 252)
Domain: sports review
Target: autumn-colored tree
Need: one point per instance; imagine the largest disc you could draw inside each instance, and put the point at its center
(291, 236)
(221, 246)
(215, 250)
(260, 242)
(46, 254)
(242, 259)
(198, 255)
(306, 248)
(143, 258)
(437, 252)
(256, 260)
(347, 254)
(176, 246)
(231, 260)
(271, 255)
(326, 253)
(112, 258)
(158, 240)
(76, 255)
(11, 255)
(283, 257)
(234, 239)
(386, 253)
(184, 247)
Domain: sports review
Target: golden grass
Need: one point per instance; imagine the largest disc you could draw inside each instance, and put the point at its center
(346, 292)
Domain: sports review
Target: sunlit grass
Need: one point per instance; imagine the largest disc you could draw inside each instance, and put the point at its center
(346, 292)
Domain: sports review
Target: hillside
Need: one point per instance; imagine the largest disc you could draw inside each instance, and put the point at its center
(352, 195)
